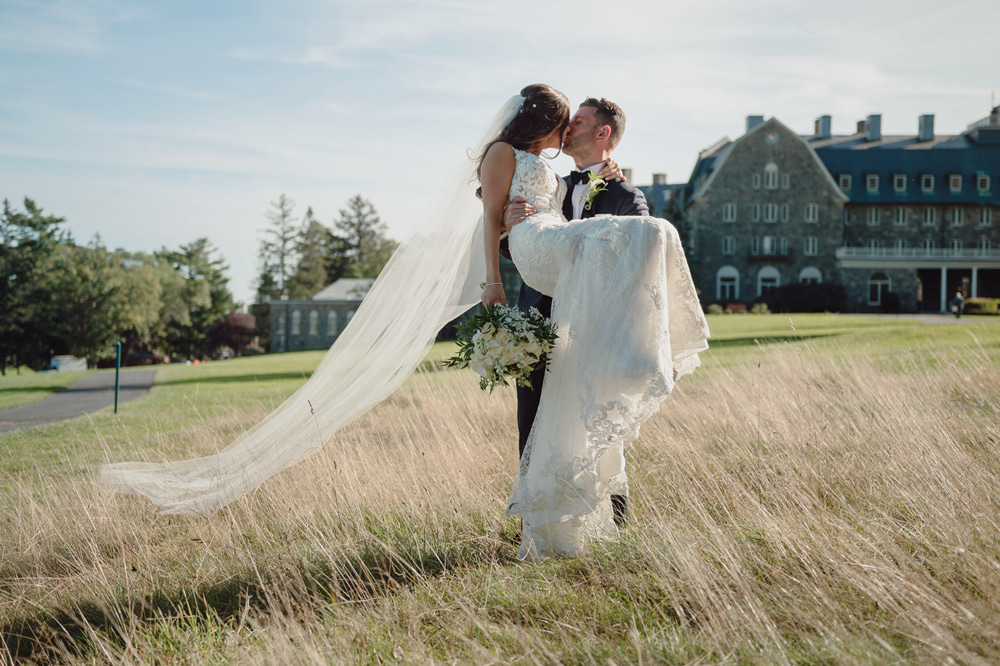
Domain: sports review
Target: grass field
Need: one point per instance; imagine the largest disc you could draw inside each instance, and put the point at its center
(823, 490)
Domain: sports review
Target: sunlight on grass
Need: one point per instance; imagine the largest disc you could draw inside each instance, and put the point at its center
(820, 491)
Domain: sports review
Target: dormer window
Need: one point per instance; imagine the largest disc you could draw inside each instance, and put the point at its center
(899, 182)
(771, 176)
(871, 183)
(927, 183)
(955, 183)
(983, 183)
(844, 180)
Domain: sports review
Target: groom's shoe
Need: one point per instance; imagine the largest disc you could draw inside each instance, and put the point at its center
(619, 505)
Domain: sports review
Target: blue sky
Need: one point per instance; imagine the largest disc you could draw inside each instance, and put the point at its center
(155, 123)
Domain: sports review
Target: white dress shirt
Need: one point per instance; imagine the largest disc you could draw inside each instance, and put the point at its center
(580, 190)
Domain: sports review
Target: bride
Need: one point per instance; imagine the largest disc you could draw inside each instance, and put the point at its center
(629, 322)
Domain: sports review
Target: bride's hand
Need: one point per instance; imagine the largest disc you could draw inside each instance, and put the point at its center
(611, 171)
(493, 294)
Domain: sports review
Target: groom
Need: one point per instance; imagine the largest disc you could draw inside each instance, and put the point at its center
(594, 131)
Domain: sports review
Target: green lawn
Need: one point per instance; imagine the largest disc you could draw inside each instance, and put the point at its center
(26, 387)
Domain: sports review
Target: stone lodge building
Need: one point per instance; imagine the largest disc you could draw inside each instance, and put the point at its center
(915, 216)
(314, 323)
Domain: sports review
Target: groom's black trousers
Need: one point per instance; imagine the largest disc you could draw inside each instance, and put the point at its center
(527, 397)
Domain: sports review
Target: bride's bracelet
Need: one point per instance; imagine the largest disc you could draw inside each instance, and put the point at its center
(492, 284)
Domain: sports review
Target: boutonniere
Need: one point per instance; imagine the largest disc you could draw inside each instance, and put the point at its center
(596, 185)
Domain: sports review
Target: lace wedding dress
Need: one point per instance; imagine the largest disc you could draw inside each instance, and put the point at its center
(629, 325)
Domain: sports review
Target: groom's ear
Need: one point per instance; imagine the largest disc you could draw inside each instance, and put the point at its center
(605, 133)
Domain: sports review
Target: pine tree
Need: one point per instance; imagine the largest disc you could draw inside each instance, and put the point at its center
(277, 249)
(360, 238)
(312, 248)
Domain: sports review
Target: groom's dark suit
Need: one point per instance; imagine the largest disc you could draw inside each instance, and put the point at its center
(619, 199)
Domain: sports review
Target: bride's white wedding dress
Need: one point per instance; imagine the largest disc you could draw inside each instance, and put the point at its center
(629, 324)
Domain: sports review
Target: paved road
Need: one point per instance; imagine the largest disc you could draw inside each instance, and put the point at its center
(87, 396)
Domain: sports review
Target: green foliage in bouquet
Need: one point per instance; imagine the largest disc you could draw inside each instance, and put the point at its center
(503, 343)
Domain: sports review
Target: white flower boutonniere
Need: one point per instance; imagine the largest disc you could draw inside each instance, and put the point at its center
(596, 185)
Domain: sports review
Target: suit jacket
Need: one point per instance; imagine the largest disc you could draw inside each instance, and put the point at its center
(619, 198)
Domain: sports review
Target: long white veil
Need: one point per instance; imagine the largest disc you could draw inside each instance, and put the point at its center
(429, 281)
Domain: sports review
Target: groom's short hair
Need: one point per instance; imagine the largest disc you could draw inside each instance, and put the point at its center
(610, 114)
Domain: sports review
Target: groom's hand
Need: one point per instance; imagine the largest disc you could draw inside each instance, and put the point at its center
(514, 213)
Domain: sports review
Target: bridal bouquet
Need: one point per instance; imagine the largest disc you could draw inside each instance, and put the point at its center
(503, 343)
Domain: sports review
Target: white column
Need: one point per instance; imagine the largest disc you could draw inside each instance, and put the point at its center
(975, 281)
(944, 289)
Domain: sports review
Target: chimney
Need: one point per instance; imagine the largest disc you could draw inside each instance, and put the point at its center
(861, 127)
(753, 121)
(659, 179)
(823, 124)
(873, 127)
(925, 127)
(627, 173)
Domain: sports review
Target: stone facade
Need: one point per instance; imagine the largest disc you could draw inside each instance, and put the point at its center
(763, 213)
(314, 323)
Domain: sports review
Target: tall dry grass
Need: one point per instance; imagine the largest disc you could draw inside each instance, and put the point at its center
(788, 506)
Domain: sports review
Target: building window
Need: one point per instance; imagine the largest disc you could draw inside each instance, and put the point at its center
(956, 217)
(901, 217)
(899, 245)
(785, 181)
(811, 246)
(844, 180)
(783, 246)
(727, 284)
(983, 183)
(955, 182)
(878, 286)
(929, 245)
(755, 212)
(729, 212)
(728, 245)
(927, 182)
(810, 275)
(874, 244)
(986, 217)
(769, 247)
(770, 213)
(873, 217)
(767, 280)
(313, 323)
(784, 212)
(899, 182)
(296, 322)
(331, 322)
(770, 176)
(871, 183)
(755, 246)
(812, 212)
(955, 246)
(755, 179)
(280, 328)
(930, 217)
(984, 244)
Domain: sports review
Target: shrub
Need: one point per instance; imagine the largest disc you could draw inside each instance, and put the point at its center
(714, 308)
(806, 297)
(760, 308)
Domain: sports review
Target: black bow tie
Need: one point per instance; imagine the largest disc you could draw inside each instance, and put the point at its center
(577, 177)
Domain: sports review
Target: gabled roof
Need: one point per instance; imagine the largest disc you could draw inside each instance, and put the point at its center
(711, 160)
(345, 289)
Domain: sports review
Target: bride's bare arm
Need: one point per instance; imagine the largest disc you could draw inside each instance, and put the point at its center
(495, 176)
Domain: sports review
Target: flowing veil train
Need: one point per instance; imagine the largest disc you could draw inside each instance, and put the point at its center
(429, 281)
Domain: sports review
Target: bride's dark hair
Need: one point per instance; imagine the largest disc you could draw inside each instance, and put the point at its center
(544, 110)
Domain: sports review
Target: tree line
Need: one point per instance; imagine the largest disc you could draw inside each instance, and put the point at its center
(60, 297)
(299, 257)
